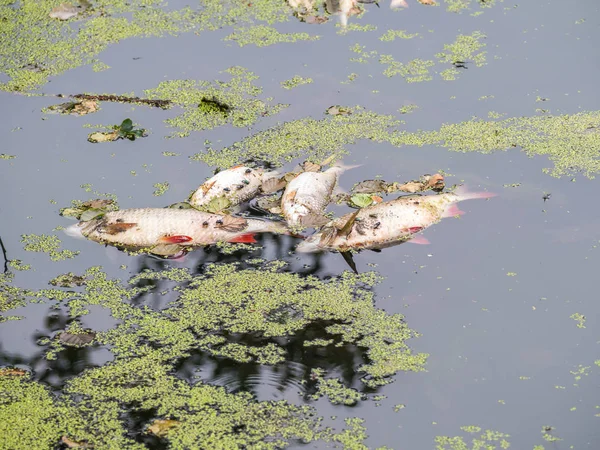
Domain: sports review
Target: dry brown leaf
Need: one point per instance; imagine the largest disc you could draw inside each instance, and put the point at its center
(77, 340)
(64, 11)
(99, 136)
(310, 167)
(98, 203)
(233, 224)
(85, 107)
(12, 372)
(162, 427)
(74, 444)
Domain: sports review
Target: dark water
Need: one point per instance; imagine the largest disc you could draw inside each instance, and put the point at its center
(499, 345)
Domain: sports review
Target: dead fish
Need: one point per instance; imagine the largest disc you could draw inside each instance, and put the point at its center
(237, 185)
(306, 196)
(162, 229)
(389, 223)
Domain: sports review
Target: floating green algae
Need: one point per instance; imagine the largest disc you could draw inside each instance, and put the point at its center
(208, 105)
(488, 439)
(7, 157)
(335, 390)
(571, 142)
(47, 244)
(311, 138)
(263, 36)
(392, 35)
(210, 313)
(459, 5)
(295, 82)
(34, 47)
(465, 49)
(160, 188)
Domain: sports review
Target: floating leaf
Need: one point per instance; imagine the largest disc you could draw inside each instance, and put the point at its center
(98, 204)
(12, 372)
(68, 280)
(99, 136)
(74, 444)
(78, 108)
(126, 126)
(64, 11)
(91, 214)
(361, 200)
(218, 204)
(77, 340)
(370, 186)
(310, 167)
(338, 110)
(428, 2)
(162, 427)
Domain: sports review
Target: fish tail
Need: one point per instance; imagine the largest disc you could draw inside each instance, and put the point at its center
(463, 193)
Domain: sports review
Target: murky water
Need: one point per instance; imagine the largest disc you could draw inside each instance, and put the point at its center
(503, 299)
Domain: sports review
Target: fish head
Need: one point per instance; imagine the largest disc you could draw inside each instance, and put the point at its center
(80, 230)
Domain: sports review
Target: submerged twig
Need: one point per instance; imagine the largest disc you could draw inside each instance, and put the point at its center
(123, 99)
(4, 254)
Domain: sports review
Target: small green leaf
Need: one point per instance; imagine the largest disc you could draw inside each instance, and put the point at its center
(126, 125)
(91, 214)
(361, 200)
(218, 204)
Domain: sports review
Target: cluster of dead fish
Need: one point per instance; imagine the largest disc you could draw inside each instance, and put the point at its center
(208, 219)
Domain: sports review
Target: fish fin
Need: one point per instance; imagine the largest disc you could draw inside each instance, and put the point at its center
(273, 185)
(174, 239)
(452, 211)
(117, 227)
(419, 240)
(347, 228)
(233, 224)
(413, 230)
(349, 260)
(247, 238)
(328, 160)
(464, 194)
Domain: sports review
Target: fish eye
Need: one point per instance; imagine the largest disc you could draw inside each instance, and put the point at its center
(248, 171)
(226, 189)
(205, 224)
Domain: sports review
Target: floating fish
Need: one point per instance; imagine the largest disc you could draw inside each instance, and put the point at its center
(389, 223)
(236, 185)
(306, 196)
(164, 231)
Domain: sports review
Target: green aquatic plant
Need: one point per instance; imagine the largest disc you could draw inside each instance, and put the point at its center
(208, 313)
(263, 36)
(35, 46)
(207, 105)
(49, 244)
(488, 439)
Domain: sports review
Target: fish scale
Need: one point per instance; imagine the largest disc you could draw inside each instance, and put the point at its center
(146, 227)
